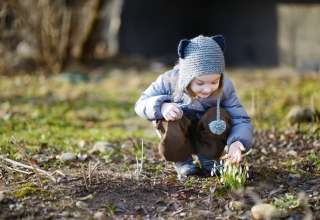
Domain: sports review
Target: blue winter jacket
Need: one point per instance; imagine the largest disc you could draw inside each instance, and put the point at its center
(148, 105)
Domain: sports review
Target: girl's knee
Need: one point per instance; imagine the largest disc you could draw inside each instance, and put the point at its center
(174, 141)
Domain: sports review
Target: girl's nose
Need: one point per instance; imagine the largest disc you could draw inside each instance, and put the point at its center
(207, 90)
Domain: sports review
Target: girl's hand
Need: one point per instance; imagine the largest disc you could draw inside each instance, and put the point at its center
(171, 111)
(235, 152)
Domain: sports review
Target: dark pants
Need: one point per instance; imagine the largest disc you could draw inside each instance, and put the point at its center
(182, 138)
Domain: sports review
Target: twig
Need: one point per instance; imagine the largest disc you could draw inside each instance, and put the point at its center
(37, 174)
(177, 212)
(58, 172)
(90, 171)
(17, 170)
(142, 159)
(35, 169)
(140, 164)
(84, 177)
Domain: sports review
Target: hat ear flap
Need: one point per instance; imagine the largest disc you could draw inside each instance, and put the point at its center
(219, 39)
(181, 47)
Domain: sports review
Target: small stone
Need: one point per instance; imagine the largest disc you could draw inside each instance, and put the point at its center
(12, 206)
(81, 205)
(295, 175)
(82, 157)
(65, 157)
(140, 210)
(99, 216)
(236, 205)
(120, 207)
(264, 151)
(264, 211)
(102, 147)
(316, 143)
(65, 214)
(292, 153)
(16, 207)
(76, 214)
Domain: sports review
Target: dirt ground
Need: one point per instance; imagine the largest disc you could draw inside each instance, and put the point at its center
(121, 193)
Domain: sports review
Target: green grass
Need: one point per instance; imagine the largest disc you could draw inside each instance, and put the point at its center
(29, 189)
(46, 113)
(287, 201)
(39, 111)
(314, 159)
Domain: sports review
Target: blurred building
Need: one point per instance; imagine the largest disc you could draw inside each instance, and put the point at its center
(266, 33)
(258, 33)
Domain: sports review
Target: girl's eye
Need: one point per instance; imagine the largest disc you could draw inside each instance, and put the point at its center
(213, 83)
(200, 83)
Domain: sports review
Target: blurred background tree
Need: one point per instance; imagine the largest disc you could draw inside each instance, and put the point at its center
(52, 34)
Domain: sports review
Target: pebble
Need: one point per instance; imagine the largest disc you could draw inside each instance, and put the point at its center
(292, 153)
(81, 205)
(82, 157)
(264, 211)
(102, 147)
(99, 216)
(65, 157)
(236, 205)
(16, 207)
(295, 175)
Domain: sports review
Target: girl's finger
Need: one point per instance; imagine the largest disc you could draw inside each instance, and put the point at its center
(176, 110)
(167, 117)
(235, 158)
(170, 118)
(238, 159)
(179, 115)
(173, 114)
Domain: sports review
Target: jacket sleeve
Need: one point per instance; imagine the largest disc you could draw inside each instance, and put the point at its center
(148, 105)
(241, 128)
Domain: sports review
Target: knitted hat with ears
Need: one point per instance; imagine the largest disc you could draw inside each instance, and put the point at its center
(202, 56)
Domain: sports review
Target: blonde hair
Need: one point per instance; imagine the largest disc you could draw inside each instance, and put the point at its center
(178, 95)
(214, 94)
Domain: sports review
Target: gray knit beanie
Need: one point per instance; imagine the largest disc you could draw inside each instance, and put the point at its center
(202, 56)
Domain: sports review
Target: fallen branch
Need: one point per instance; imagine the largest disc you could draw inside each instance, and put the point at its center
(17, 170)
(35, 169)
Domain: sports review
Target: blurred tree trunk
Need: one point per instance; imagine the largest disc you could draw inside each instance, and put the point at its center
(60, 32)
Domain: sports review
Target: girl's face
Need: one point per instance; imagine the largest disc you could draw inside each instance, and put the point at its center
(204, 86)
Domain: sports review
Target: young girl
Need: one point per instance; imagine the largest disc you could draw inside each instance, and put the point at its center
(195, 108)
